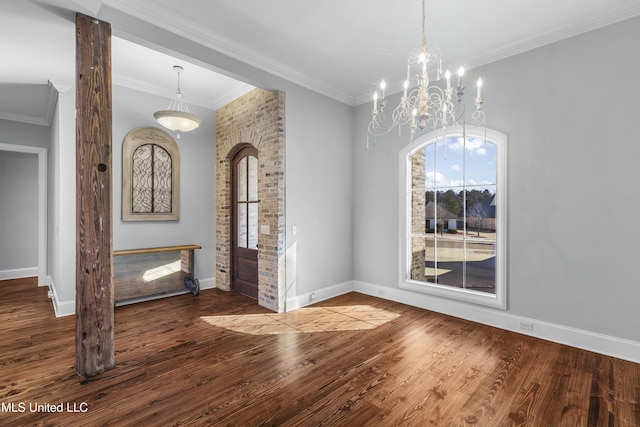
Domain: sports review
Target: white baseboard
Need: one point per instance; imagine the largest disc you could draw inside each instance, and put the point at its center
(61, 308)
(208, 283)
(586, 340)
(18, 273)
(318, 295)
(68, 308)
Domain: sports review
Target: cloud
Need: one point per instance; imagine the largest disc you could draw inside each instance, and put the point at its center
(473, 145)
(435, 177)
(456, 168)
(457, 145)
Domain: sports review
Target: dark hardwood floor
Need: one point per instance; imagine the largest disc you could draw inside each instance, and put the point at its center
(219, 359)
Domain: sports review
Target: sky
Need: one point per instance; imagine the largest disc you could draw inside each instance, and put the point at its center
(446, 160)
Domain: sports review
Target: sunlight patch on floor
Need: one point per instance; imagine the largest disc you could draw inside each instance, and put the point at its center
(305, 320)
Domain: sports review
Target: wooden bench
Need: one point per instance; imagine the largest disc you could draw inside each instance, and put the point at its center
(150, 273)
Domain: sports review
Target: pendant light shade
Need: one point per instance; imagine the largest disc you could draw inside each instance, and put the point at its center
(177, 116)
(180, 121)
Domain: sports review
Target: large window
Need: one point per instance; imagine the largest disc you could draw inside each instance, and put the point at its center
(454, 222)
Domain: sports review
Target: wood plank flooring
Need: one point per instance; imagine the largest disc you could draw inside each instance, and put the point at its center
(218, 359)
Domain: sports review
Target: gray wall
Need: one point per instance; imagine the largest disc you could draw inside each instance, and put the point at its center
(18, 133)
(568, 110)
(319, 131)
(319, 181)
(18, 210)
(319, 188)
(61, 201)
(19, 195)
(133, 109)
(318, 185)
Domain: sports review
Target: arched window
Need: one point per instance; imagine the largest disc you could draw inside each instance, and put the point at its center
(150, 176)
(454, 221)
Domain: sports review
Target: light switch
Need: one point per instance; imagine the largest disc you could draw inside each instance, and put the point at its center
(294, 230)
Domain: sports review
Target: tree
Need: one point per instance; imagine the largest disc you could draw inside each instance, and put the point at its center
(451, 202)
(477, 213)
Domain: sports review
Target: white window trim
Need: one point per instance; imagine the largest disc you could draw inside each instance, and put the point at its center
(499, 299)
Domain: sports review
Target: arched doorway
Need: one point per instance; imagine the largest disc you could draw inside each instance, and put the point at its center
(244, 205)
(257, 120)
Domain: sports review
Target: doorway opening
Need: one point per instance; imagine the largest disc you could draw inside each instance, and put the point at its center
(257, 120)
(41, 154)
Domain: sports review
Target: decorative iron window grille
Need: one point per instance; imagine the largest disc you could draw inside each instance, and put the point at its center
(151, 180)
(150, 176)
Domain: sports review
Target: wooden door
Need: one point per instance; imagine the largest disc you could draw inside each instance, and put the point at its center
(245, 222)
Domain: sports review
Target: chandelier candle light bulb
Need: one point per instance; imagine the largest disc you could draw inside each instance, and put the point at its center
(460, 74)
(424, 105)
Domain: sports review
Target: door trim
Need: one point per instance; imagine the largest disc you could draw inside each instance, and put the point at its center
(41, 152)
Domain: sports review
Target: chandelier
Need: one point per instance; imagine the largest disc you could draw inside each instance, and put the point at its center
(427, 106)
(177, 116)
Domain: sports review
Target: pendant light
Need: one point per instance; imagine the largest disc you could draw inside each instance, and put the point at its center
(177, 116)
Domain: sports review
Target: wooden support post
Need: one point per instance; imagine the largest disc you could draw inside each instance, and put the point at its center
(94, 242)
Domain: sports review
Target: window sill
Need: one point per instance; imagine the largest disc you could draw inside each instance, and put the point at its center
(464, 295)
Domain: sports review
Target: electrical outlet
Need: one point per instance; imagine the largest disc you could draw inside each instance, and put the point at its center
(312, 296)
(527, 326)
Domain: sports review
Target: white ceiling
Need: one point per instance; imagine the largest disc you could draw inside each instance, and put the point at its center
(341, 48)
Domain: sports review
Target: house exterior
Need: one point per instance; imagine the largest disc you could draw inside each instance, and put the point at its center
(482, 215)
(440, 218)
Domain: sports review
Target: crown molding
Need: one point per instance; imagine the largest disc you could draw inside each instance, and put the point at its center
(90, 7)
(553, 36)
(43, 119)
(178, 24)
(211, 104)
(491, 56)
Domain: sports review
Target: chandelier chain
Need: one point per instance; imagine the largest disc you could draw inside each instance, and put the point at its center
(424, 20)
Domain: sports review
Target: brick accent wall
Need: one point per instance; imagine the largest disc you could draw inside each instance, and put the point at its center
(418, 218)
(257, 119)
